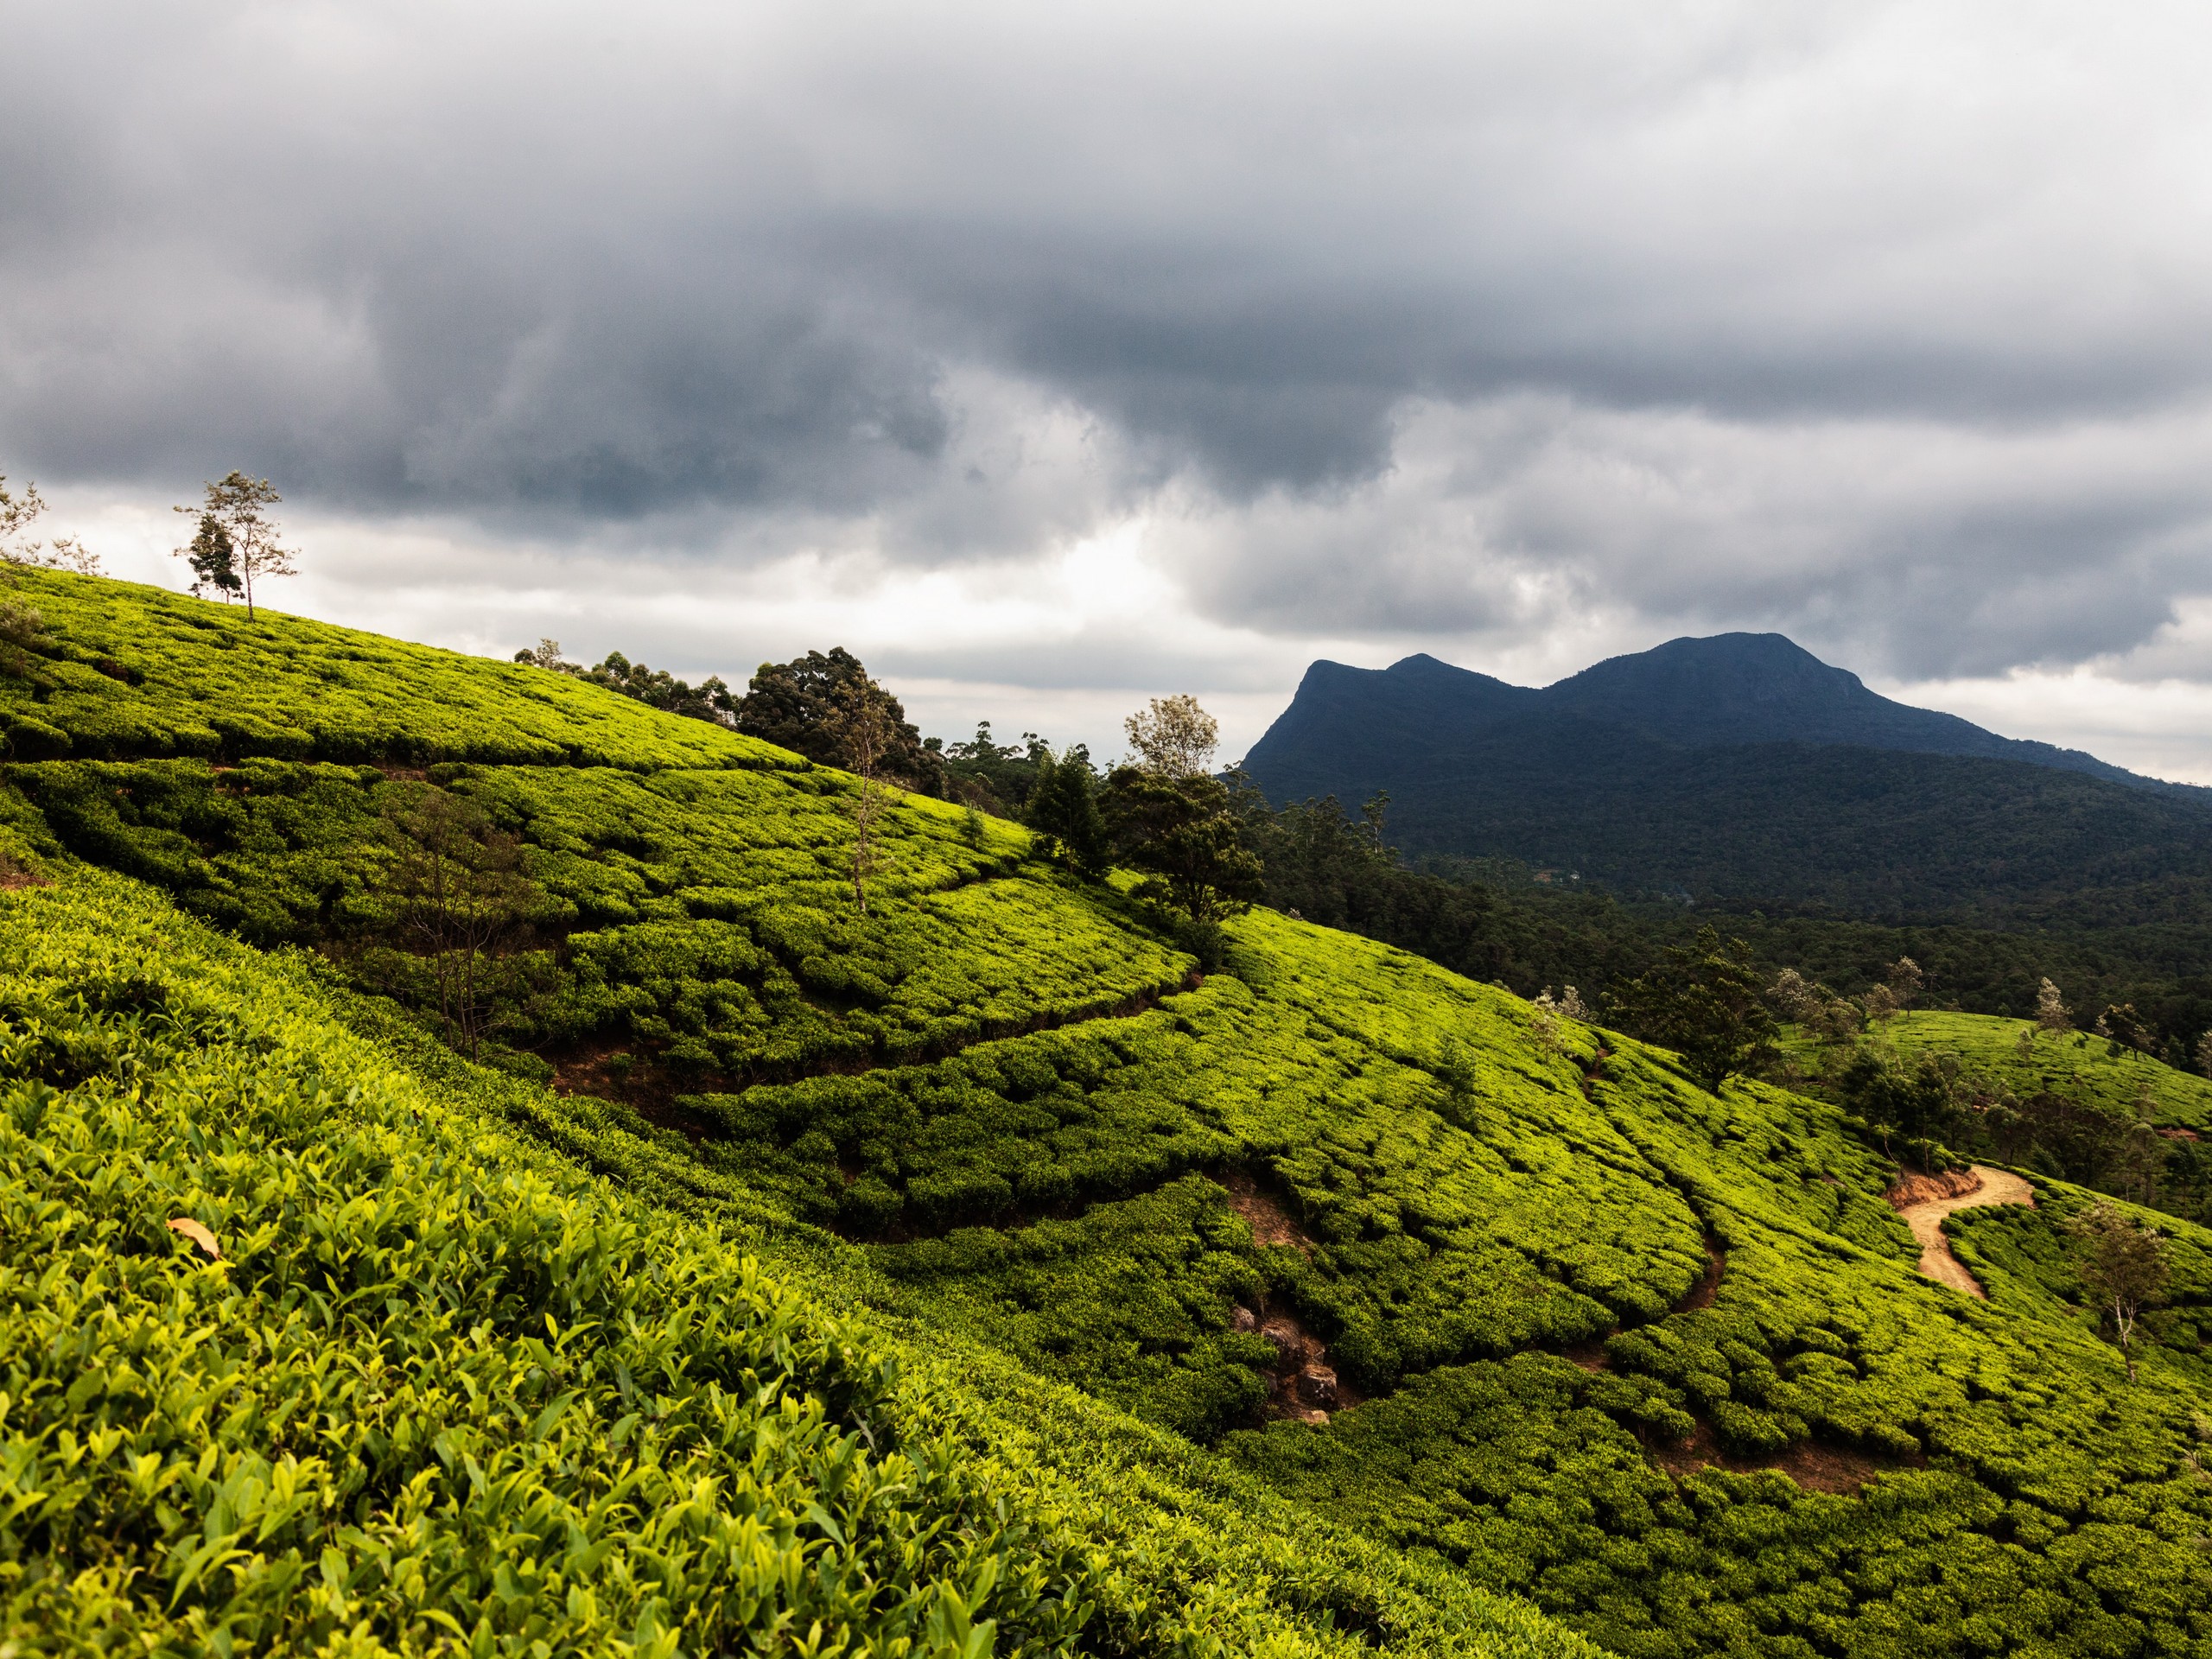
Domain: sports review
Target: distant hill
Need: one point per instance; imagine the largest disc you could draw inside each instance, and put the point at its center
(1742, 768)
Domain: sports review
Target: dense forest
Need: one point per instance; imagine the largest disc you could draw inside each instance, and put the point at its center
(1739, 775)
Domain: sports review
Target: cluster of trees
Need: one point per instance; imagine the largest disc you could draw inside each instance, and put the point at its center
(824, 705)
(235, 543)
(1161, 811)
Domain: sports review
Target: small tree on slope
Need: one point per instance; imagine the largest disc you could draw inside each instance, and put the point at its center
(238, 506)
(1062, 809)
(862, 727)
(460, 901)
(2123, 1266)
(213, 559)
(1705, 1002)
(2051, 1013)
(62, 553)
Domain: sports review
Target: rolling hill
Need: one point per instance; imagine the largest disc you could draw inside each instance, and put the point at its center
(1742, 771)
(971, 1274)
(2079, 1064)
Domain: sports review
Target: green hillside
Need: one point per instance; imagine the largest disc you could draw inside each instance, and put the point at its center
(1303, 1305)
(445, 1393)
(2079, 1064)
(123, 670)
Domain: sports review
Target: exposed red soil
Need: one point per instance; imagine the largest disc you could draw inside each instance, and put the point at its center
(13, 880)
(1303, 1386)
(590, 1069)
(1590, 1356)
(1701, 1294)
(1814, 1464)
(1916, 1187)
(1925, 1200)
(1264, 1214)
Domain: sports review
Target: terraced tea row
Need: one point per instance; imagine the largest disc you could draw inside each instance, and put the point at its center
(424, 1389)
(1457, 1190)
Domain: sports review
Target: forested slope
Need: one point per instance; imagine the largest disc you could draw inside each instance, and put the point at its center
(1658, 1359)
(1743, 776)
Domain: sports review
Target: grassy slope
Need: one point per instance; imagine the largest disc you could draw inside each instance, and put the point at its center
(2080, 1066)
(1468, 1204)
(140, 672)
(444, 1393)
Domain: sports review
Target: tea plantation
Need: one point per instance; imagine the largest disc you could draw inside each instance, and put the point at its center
(2079, 1064)
(440, 1391)
(839, 1281)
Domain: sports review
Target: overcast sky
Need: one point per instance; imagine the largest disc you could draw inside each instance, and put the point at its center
(1052, 356)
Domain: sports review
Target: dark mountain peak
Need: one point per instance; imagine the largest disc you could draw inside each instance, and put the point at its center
(1753, 688)
(1760, 664)
(1422, 664)
(1351, 729)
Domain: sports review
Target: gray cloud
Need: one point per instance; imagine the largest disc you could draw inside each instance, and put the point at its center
(1884, 325)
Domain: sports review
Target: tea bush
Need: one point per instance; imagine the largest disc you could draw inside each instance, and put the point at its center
(438, 1394)
(125, 670)
(1002, 1115)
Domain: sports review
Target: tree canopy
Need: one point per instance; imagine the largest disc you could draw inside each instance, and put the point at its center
(803, 706)
(1185, 832)
(235, 535)
(1705, 1000)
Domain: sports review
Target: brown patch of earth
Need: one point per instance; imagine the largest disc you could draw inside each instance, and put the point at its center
(1916, 1187)
(1303, 1386)
(14, 878)
(594, 1069)
(1925, 1200)
(1816, 1466)
(1701, 1294)
(1264, 1213)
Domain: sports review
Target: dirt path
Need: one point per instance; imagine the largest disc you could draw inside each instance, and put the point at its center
(1924, 1201)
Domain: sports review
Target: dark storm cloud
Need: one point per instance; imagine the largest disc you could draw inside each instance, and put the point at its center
(1444, 322)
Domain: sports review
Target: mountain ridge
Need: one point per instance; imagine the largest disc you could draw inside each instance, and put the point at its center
(1682, 693)
(1742, 770)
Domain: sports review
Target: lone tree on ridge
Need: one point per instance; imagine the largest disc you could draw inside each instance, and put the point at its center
(2051, 1013)
(213, 559)
(236, 509)
(1174, 737)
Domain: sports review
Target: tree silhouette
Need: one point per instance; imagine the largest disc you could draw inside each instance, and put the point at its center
(238, 506)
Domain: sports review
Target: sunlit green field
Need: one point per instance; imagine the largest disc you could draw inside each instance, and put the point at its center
(2078, 1064)
(898, 1247)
